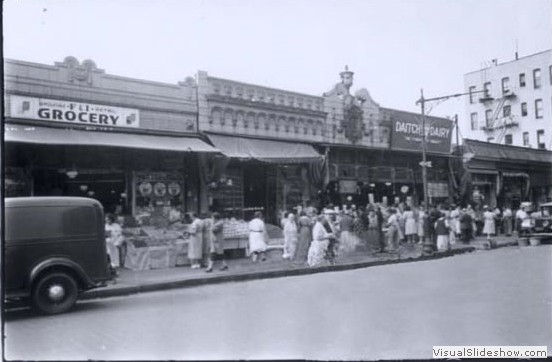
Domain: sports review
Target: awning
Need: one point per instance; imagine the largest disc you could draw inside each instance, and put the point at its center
(265, 150)
(62, 136)
(497, 152)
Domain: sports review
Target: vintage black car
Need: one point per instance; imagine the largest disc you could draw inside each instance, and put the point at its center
(54, 249)
(542, 219)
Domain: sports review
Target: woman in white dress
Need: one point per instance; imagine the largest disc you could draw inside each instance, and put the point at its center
(320, 241)
(291, 237)
(195, 245)
(410, 227)
(257, 242)
(489, 223)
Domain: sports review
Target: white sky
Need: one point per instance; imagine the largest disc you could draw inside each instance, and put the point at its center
(395, 47)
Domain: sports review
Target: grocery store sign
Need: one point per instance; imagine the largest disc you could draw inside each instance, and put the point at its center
(73, 112)
(408, 135)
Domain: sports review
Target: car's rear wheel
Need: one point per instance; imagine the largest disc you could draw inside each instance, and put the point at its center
(55, 293)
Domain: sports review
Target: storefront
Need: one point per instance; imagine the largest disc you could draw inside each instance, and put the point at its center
(500, 175)
(72, 130)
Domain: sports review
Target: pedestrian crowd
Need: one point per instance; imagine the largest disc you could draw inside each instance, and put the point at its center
(316, 237)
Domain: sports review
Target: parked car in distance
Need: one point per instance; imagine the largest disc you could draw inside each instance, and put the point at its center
(54, 249)
(542, 219)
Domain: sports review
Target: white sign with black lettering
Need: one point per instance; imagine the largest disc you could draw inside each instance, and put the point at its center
(73, 112)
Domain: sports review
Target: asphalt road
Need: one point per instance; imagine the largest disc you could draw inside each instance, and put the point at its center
(499, 297)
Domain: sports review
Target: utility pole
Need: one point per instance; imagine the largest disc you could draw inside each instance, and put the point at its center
(428, 247)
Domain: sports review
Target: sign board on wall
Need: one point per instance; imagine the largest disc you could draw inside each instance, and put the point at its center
(437, 189)
(50, 110)
(407, 135)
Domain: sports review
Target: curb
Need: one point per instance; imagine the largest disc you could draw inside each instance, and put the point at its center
(269, 274)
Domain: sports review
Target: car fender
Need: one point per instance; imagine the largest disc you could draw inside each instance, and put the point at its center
(59, 262)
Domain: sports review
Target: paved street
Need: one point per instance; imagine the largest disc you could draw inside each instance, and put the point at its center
(499, 297)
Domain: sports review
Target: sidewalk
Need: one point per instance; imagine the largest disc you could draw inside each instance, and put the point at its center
(132, 282)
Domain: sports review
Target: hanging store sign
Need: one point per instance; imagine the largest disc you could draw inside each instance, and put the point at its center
(408, 135)
(73, 112)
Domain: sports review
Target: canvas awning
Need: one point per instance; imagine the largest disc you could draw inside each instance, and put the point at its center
(497, 152)
(265, 150)
(61, 136)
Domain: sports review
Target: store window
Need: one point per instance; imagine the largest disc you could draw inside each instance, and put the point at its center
(508, 139)
(505, 85)
(538, 108)
(489, 118)
(472, 95)
(524, 109)
(540, 139)
(506, 111)
(158, 194)
(536, 78)
(522, 80)
(474, 124)
(526, 139)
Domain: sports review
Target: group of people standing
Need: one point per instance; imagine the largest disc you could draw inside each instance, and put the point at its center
(206, 243)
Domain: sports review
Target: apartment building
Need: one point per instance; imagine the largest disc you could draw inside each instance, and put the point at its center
(510, 103)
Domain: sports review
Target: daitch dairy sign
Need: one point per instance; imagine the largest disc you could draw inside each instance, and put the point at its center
(407, 135)
(73, 112)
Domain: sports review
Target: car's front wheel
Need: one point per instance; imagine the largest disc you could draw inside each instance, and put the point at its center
(55, 293)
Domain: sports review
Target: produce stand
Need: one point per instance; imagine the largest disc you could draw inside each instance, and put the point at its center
(150, 247)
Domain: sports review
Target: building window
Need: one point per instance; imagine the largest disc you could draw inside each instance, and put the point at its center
(526, 138)
(508, 139)
(536, 78)
(506, 111)
(487, 89)
(472, 95)
(505, 85)
(538, 108)
(540, 139)
(490, 139)
(473, 118)
(488, 118)
(522, 79)
(524, 109)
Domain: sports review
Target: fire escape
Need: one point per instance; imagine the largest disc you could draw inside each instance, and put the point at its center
(499, 124)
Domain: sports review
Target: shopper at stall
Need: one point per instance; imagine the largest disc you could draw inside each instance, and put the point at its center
(320, 242)
(489, 222)
(305, 237)
(257, 235)
(216, 247)
(113, 239)
(195, 245)
(290, 237)
(373, 241)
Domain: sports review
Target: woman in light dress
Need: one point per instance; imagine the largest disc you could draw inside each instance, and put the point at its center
(410, 227)
(489, 223)
(421, 225)
(195, 245)
(257, 237)
(347, 239)
(320, 241)
(216, 247)
(392, 231)
(442, 230)
(291, 237)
